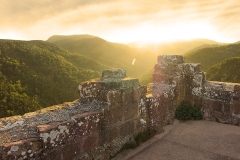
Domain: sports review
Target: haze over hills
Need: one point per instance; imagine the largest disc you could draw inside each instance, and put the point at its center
(135, 61)
(177, 47)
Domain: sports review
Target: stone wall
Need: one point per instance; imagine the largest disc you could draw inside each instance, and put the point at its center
(221, 102)
(113, 109)
(175, 81)
(109, 113)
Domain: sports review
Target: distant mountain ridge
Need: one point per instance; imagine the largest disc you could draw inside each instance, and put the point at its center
(56, 38)
(213, 55)
(114, 55)
(177, 47)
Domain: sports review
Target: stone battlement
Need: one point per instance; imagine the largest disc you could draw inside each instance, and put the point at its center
(178, 81)
(113, 73)
(110, 111)
(113, 109)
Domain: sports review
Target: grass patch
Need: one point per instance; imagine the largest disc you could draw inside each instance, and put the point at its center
(144, 136)
(129, 145)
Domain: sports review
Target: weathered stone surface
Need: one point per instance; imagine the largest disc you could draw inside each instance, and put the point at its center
(111, 133)
(177, 59)
(192, 68)
(24, 149)
(113, 73)
(127, 128)
(174, 81)
(91, 89)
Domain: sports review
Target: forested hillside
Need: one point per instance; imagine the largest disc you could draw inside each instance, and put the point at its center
(147, 77)
(113, 55)
(36, 74)
(225, 71)
(213, 55)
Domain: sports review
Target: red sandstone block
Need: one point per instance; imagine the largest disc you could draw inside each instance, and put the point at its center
(127, 97)
(139, 93)
(87, 123)
(237, 88)
(226, 107)
(161, 78)
(91, 89)
(170, 69)
(56, 135)
(48, 127)
(159, 69)
(111, 133)
(126, 128)
(236, 94)
(197, 100)
(216, 106)
(90, 142)
(114, 98)
(130, 110)
(67, 151)
(236, 107)
(24, 149)
(113, 114)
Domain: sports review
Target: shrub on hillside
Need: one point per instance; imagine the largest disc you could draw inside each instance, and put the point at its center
(185, 111)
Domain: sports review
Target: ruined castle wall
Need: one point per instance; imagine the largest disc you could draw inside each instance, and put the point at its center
(166, 90)
(175, 81)
(221, 102)
(50, 133)
(113, 109)
(109, 113)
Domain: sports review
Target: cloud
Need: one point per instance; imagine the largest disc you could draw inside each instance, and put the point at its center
(105, 17)
(28, 11)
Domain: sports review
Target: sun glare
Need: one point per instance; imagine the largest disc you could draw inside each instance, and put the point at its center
(133, 61)
(150, 33)
(11, 35)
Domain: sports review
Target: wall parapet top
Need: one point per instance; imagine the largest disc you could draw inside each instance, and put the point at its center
(113, 73)
(175, 59)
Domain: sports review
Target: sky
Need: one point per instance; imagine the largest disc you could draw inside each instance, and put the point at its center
(124, 21)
